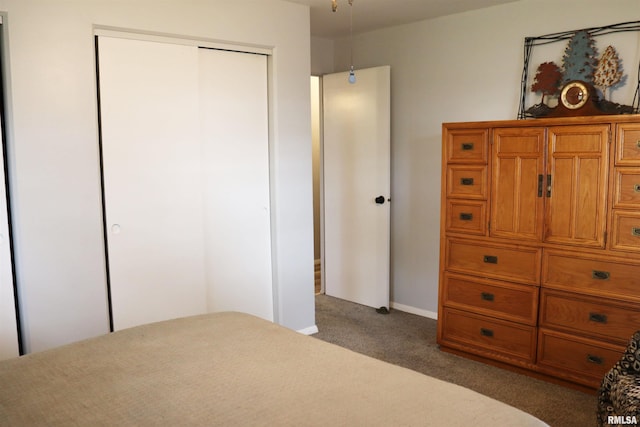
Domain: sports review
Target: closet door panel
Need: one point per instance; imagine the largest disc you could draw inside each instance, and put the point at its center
(8, 323)
(234, 125)
(153, 181)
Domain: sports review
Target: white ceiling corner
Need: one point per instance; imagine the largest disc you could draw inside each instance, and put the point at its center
(369, 15)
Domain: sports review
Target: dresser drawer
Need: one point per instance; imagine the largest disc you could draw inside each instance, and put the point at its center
(467, 182)
(508, 301)
(627, 188)
(516, 264)
(598, 317)
(467, 145)
(628, 144)
(590, 274)
(498, 336)
(626, 231)
(578, 359)
(469, 217)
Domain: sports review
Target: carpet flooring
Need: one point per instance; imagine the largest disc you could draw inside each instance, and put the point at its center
(409, 340)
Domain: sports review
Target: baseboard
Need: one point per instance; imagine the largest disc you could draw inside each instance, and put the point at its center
(413, 310)
(309, 331)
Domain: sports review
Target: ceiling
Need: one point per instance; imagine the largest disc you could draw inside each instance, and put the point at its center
(375, 14)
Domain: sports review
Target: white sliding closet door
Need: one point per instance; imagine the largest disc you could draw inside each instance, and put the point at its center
(235, 126)
(8, 324)
(186, 180)
(152, 180)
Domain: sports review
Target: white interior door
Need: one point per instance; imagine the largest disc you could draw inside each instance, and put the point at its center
(186, 180)
(8, 323)
(152, 180)
(356, 156)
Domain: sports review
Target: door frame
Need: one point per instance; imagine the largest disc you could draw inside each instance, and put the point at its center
(320, 177)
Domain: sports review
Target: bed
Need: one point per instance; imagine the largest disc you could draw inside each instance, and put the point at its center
(229, 369)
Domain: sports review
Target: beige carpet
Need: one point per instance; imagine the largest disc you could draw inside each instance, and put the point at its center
(410, 341)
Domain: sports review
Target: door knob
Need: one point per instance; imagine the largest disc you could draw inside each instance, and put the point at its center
(380, 200)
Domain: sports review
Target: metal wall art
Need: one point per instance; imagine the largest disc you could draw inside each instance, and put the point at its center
(581, 66)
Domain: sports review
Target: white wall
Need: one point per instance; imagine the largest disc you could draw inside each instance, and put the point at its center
(54, 157)
(461, 67)
(322, 59)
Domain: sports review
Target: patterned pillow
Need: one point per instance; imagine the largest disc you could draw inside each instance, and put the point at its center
(619, 394)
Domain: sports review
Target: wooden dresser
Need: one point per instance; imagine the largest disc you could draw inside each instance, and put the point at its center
(540, 244)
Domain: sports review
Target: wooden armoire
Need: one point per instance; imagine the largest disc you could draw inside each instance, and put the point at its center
(540, 244)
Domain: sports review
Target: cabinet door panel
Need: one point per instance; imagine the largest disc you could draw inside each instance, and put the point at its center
(577, 180)
(517, 198)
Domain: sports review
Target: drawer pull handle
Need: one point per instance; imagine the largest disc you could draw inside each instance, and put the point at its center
(487, 296)
(636, 188)
(600, 275)
(598, 318)
(595, 359)
(635, 231)
(638, 143)
(490, 259)
(466, 146)
(486, 332)
(466, 181)
(466, 217)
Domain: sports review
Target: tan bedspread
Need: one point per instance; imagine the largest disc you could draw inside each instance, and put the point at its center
(230, 369)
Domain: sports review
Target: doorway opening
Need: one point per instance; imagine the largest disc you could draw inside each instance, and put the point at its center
(316, 138)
